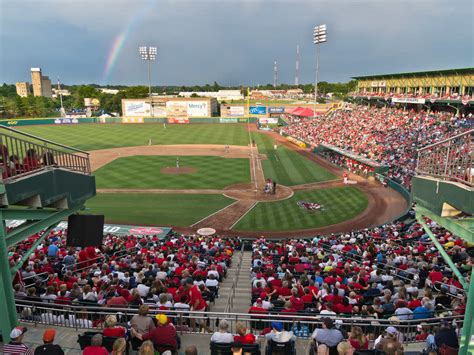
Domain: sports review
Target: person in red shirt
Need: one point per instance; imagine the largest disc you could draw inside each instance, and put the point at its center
(112, 330)
(242, 336)
(96, 347)
(163, 334)
(358, 339)
(435, 276)
(344, 307)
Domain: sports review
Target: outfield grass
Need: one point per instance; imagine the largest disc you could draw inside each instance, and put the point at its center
(156, 209)
(340, 204)
(143, 172)
(286, 166)
(101, 136)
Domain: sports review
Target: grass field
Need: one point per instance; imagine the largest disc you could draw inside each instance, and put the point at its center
(143, 172)
(97, 136)
(156, 209)
(287, 167)
(340, 204)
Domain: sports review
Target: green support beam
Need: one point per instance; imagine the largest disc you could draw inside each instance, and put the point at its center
(442, 251)
(468, 324)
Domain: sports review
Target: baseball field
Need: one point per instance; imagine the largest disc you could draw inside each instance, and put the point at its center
(207, 175)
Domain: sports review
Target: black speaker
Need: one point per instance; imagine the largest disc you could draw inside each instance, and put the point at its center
(84, 230)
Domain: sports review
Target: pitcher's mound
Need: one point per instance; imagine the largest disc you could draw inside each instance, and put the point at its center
(180, 170)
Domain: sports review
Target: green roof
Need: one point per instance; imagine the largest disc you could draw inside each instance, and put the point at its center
(417, 73)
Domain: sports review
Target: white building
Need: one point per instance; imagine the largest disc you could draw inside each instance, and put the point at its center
(221, 95)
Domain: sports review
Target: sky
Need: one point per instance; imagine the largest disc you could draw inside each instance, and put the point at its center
(232, 42)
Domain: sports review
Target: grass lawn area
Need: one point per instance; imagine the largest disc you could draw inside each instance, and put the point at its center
(156, 209)
(101, 136)
(143, 172)
(340, 204)
(286, 166)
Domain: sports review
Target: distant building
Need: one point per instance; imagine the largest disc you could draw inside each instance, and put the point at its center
(108, 91)
(41, 84)
(22, 88)
(220, 95)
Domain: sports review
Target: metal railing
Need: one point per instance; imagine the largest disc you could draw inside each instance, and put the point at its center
(230, 299)
(22, 154)
(92, 317)
(449, 159)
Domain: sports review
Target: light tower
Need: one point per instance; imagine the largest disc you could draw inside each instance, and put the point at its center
(319, 36)
(297, 68)
(275, 75)
(148, 54)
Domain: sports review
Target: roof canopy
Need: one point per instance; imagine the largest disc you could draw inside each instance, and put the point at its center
(302, 111)
(418, 73)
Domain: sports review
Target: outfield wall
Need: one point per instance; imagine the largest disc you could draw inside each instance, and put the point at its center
(139, 120)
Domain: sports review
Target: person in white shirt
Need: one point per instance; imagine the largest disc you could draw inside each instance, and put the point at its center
(223, 335)
(211, 281)
(143, 290)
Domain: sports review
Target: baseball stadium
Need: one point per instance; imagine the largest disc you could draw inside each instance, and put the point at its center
(260, 219)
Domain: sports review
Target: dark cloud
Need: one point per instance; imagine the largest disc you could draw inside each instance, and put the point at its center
(230, 41)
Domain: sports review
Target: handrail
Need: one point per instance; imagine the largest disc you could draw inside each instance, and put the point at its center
(43, 139)
(471, 131)
(230, 298)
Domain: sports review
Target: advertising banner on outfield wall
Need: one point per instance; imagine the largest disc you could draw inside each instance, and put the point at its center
(258, 110)
(408, 100)
(132, 120)
(66, 121)
(236, 110)
(177, 108)
(182, 120)
(228, 120)
(197, 109)
(265, 120)
(136, 109)
(159, 111)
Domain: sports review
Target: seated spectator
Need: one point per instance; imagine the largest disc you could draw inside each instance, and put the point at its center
(112, 329)
(328, 336)
(48, 348)
(446, 338)
(243, 336)
(357, 338)
(278, 334)
(16, 345)
(96, 347)
(223, 335)
(163, 335)
(147, 348)
(119, 347)
(190, 350)
(391, 341)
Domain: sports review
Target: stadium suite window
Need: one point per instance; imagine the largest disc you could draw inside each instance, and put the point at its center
(469, 90)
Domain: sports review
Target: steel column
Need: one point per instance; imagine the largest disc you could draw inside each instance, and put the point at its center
(468, 324)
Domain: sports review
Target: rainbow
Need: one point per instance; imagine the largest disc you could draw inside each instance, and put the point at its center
(121, 39)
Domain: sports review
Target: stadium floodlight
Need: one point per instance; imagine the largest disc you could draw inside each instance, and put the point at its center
(319, 37)
(148, 54)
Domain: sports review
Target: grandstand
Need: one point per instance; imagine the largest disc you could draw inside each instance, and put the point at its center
(405, 284)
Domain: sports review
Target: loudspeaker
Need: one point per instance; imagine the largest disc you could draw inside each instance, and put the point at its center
(85, 230)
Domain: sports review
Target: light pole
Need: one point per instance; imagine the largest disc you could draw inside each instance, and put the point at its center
(319, 36)
(148, 54)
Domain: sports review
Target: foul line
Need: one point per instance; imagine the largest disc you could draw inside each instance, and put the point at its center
(212, 214)
(238, 220)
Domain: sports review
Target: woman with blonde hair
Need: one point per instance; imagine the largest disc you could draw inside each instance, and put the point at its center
(357, 339)
(243, 337)
(112, 329)
(147, 348)
(119, 347)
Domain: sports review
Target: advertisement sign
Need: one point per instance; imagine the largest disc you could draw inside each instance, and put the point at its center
(276, 110)
(197, 109)
(228, 120)
(159, 111)
(376, 84)
(177, 108)
(236, 110)
(181, 120)
(136, 108)
(408, 100)
(132, 119)
(66, 121)
(258, 110)
(265, 120)
(296, 141)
